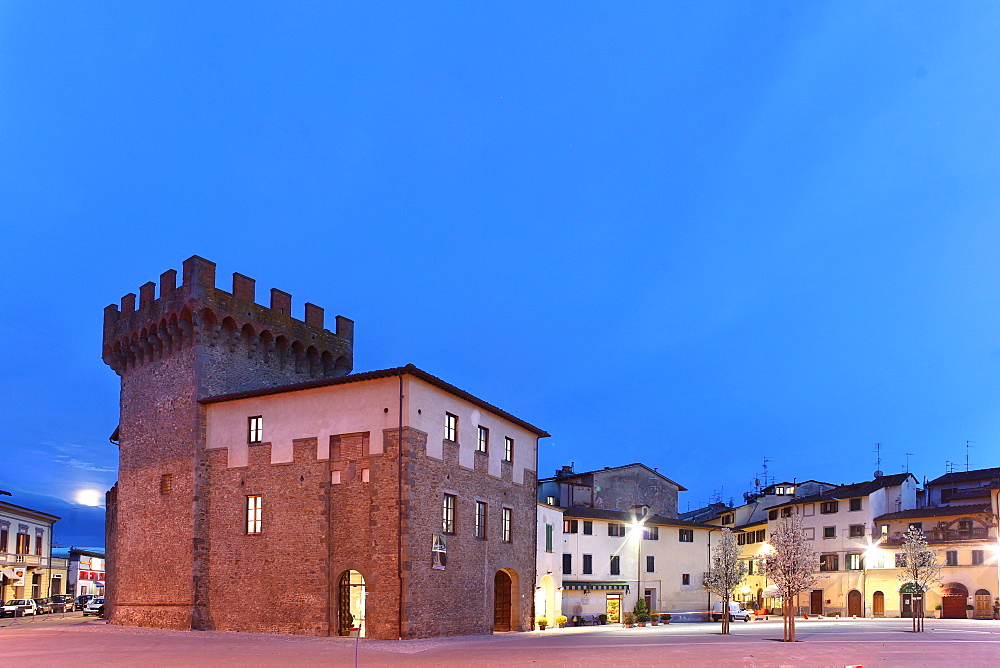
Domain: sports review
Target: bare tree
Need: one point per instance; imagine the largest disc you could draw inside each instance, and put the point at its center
(921, 569)
(726, 573)
(791, 564)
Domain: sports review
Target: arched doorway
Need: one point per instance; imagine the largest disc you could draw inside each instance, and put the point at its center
(351, 608)
(855, 607)
(502, 586)
(984, 608)
(546, 602)
(878, 604)
(954, 597)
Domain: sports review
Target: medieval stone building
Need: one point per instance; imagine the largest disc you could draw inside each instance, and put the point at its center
(263, 487)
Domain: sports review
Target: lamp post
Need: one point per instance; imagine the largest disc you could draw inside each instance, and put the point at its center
(637, 527)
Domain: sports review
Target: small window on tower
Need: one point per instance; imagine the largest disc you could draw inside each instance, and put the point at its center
(166, 483)
(255, 429)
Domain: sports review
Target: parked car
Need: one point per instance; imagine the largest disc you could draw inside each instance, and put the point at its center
(81, 601)
(736, 611)
(19, 607)
(95, 607)
(42, 605)
(61, 603)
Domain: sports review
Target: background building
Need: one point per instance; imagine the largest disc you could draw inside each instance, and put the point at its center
(27, 569)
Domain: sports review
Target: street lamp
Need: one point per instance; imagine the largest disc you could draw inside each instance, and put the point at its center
(637, 527)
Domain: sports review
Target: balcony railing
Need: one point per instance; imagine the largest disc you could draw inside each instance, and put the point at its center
(10, 559)
(944, 535)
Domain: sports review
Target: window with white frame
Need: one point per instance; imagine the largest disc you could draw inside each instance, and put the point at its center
(505, 524)
(255, 429)
(483, 444)
(451, 427)
(254, 514)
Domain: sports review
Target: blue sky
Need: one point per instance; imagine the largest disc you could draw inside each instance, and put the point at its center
(688, 234)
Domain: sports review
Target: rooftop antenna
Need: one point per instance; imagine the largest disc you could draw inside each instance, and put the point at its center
(967, 446)
(908, 455)
(949, 467)
(763, 475)
(878, 460)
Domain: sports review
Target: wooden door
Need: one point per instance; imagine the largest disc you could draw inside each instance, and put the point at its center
(854, 604)
(816, 602)
(906, 605)
(346, 619)
(983, 608)
(878, 604)
(953, 607)
(501, 601)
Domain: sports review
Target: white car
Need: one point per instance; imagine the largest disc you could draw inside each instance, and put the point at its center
(18, 607)
(736, 611)
(94, 607)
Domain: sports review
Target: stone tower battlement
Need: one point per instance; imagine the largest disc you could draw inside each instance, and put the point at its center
(197, 312)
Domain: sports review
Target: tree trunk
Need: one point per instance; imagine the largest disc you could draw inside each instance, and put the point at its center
(725, 616)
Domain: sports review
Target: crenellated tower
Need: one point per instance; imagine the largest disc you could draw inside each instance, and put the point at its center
(176, 348)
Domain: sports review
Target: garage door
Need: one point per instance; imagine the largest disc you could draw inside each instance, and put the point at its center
(953, 607)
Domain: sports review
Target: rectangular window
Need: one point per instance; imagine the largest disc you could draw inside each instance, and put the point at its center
(772, 514)
(166, 483)
(508, 449)
(900, 560)
(853, 562)
(857, 531)
(451, 427)
(571, 526)
(567, 564)
(828, 507)
(749, 566)
(548, 537)
(650, 564)
(727, 518)
(448, 514)
(828, 562)
(741, 539)
(588, 564)
(552, 501)
(3, 540)
(615, 529)
(23, 543)
(965, 525)
(38, 545)
(254, 524)
(787, 512)
(951, 558)
(483, 445)
(480, 519)
(685, 578)
(255, 429)
(761, 535)
(829, 532)
(809, 533)
(977, 557)
(686, 535)
(616, 568)
(588, 528)
(651, 533)
(505, 522)
(919, 526)
(855, 503)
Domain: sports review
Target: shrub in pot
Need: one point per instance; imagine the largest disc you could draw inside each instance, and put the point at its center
(561, 620)
(542, 623)
(629, 620)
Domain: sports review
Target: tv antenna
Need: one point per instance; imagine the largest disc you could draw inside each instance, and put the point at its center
(908, 455)
(967, 446)
(878, 460)
(949, 467)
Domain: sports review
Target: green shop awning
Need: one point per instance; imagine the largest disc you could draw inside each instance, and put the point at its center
(595, 586)
(909, 588)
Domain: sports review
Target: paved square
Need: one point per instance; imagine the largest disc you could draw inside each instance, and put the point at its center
(70, 640)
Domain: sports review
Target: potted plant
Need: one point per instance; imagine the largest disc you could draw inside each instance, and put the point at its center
(665, 618)
(542, 623)
(969, 609)
(938, 609)
(602, 618)
(629, 620)
(641, 612)
(561, 620)
(654, 617)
